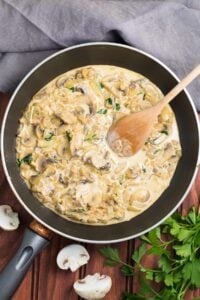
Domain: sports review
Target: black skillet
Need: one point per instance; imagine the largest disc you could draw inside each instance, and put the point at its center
(36, 237)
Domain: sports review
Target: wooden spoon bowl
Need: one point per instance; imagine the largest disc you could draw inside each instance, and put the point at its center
(129, 134)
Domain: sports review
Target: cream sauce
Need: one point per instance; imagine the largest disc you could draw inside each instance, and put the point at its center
(64, 157)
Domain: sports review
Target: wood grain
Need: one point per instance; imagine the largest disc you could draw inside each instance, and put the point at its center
(44, 281)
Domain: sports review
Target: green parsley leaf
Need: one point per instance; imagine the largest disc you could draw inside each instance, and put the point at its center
(159, 277)
(72, 89)
(178, 265)
(168, 279)
(129, 296)
(153, 237)
(117, 106)
(183, 250)
(25, 160)
(177, 276)
(69, 136)
(157, 150)
(183, 234)
(127, 270)
(18, 162)
(145, 288)
(191, 217)
(149, 275)
(144, 169)
(49, 136)
(102, 111)
(164, 131)
(109, 101)
(90, 138)
(101, 85)
(187, 270)
(191, 271)
(164, 263)
(121, 179)
(157, 250)
(111, 255)
(138, 254)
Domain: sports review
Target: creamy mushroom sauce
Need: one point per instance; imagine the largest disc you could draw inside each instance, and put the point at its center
(65, 160)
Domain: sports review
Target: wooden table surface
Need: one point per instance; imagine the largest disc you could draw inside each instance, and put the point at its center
(44, 281)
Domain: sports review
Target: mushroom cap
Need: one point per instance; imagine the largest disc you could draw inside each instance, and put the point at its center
(8, 219)
(93, 287)
(72, 257)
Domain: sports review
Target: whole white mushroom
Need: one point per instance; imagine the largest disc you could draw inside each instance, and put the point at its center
(72, 257)
(93, 287)
(8, 219)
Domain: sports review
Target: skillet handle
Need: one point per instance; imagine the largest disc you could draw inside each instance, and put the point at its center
(14, 272)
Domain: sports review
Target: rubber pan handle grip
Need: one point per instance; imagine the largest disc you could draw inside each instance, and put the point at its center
(14, 272)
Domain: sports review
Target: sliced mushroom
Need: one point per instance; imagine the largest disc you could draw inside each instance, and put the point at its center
(67, 117)
(56, 121)
(27, 171)
(86, 175)
(152, 93)
(40, 163)
(8, 219)
(27, 136)
(93, 287)
(29, 141)
(86, 73)
(87, 193)
(49, 171)
(134, 173)
(121, 167)
(139, 199)
(96, 160)
(62, 149)
(50, 122)
(166, 115)
(35, 182)
(72, 257)
(169, 151)
(141, 195)
(161, 137)
(82, 112)
(76, 142)
(131, 91)
(34, 115)
(39, 131)
(63, 179)
(62, 129)
(64, 81)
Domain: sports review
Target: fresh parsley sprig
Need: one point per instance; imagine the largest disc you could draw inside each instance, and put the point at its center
(177, 244)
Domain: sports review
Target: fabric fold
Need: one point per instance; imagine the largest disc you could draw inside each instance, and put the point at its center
(169, 30)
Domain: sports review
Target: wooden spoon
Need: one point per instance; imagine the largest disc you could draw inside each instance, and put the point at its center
(127, 136)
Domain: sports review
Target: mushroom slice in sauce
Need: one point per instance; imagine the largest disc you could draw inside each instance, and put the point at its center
(94, 158)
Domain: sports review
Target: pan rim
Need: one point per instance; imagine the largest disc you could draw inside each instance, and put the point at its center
(3, 130)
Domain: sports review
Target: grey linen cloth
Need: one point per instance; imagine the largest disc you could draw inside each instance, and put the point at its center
(32, 30)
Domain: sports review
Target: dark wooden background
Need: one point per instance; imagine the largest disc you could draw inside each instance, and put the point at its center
(44, 281)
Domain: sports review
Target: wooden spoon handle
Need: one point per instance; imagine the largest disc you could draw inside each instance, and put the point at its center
(181, 85)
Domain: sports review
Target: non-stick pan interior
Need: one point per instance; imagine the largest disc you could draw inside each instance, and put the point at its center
(126, 57)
